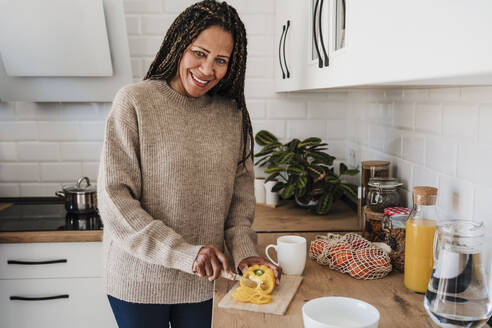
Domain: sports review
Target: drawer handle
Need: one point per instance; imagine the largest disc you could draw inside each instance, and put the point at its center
(280, 51)
(36, 262)
(285, 58)
(315, 37)
(20, 298)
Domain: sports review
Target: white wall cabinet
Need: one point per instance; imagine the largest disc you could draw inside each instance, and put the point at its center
(388, 42)
(70, 274)
(291, 41)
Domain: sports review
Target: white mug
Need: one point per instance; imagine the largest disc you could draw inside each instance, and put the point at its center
(291, 254)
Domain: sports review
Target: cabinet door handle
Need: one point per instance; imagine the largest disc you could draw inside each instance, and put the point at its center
(321, 33)
(315, 38)
(280, 52)
(46, 298)
(285, 58)
(36, 262)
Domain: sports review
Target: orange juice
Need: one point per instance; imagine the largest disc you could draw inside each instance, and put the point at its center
(419, 240)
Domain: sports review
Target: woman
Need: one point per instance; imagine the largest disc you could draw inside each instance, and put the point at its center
(176, 175)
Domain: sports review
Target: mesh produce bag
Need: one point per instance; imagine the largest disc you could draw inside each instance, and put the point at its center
(352, 254)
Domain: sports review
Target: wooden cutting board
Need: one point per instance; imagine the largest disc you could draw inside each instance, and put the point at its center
(282, 295)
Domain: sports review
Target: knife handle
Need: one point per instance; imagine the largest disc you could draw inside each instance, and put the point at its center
(231, 276)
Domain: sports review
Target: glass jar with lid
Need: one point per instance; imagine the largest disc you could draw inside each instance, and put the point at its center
(383, 193)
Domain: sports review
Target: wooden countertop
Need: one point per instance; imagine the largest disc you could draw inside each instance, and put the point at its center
(398, 306)
(286, 217)
(62, 236)
(289, 217)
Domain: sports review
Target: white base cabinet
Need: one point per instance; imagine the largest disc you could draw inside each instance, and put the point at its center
(53, 285)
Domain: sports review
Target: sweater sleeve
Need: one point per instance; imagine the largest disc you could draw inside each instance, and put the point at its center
(240, 238)
(119, 191)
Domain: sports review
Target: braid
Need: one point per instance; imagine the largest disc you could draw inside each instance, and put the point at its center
(186, 28)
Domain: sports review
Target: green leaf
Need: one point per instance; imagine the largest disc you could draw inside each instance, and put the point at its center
(266, 150)
(295, 170)
(351, 172)
(286, 158)
(262, 161)
(292, 145)
(323, 158)
(278, 186)
(313, 141)
(288, 191)
(264, 138)
(271, 177)
(274, 169)
(343, 168)
(332, 179)
(302, 182)
(348, 190)
(324, 203)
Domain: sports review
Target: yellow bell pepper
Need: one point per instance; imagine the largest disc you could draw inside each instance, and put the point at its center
(263, 275)
(265, 278)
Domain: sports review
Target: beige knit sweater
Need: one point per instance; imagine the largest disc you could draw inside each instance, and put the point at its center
(169, 183)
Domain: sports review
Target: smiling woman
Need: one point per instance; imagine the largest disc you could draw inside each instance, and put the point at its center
(204, 62)
(166, 214)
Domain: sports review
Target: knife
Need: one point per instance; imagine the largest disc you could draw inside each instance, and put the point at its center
(235, 276)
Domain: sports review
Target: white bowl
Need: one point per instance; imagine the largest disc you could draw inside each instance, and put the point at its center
(339, 312)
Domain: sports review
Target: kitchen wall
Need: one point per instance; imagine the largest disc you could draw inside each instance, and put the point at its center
(435, 137)
(440, 137)
(44, 145)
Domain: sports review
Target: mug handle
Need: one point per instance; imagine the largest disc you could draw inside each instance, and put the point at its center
(268, 256)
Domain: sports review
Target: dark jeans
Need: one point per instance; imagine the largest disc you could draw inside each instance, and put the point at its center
(135, 315)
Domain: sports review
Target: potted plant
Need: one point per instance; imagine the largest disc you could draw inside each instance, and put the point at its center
(304, 171)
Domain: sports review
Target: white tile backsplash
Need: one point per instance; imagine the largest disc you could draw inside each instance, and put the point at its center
(19, 172)
(455, 198)
(60, 172)
(49, 131)
(460, 121)
(286, 109)
(432, 136)
(441, 155)
(428, 118)
(484, 127)
(302, 129)
(38, 151)
(80, 151)
(8, 151)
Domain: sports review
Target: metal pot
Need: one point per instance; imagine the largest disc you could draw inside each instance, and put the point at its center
(79, 199)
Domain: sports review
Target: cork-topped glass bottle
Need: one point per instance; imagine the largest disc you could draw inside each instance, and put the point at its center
(419, 239)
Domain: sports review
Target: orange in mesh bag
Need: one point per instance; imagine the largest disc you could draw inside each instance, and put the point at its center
(352, 254)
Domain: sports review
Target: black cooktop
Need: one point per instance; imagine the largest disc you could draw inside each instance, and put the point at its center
(45, 215)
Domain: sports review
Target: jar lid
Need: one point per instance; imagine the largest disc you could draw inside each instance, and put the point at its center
(384, 183)
(374, 163)
(396, 211)
(79, 188)
(424, 195)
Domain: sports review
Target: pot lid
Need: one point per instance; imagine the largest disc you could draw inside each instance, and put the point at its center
(80, 188)
(384, 183)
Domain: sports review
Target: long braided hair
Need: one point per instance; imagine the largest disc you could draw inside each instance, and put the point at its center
(185, 28)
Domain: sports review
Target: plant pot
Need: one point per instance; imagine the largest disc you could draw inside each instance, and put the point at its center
(311, 203)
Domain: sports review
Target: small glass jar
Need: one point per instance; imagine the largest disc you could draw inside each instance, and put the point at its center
(383, 193)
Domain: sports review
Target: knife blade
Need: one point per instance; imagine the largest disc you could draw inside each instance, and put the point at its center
(235, 276)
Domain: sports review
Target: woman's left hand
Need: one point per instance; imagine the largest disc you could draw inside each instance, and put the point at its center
(252, 260)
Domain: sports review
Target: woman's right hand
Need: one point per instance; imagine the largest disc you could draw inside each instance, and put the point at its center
(209, 262)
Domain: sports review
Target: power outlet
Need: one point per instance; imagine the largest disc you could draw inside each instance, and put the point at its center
(352, 157)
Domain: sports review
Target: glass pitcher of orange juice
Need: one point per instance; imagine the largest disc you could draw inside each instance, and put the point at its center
(419, 239)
